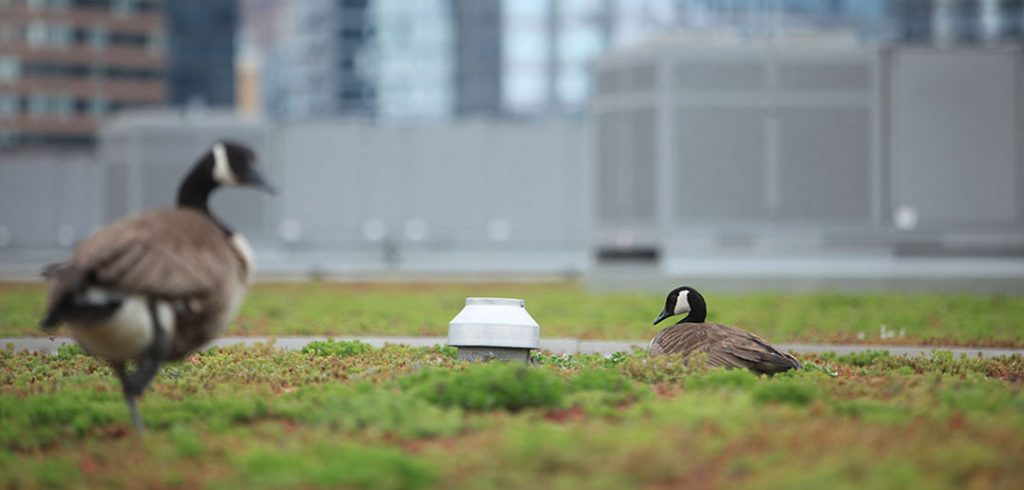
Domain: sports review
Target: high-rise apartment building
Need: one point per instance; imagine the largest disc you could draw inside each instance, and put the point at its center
(902, 21)
(548, 45)
(957, 21)
(476, 26)
(201, 51)
(318, 70)
(66, 63)
(409, 59)
(437, 59)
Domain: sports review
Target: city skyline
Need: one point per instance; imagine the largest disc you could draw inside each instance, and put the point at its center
(65, 65)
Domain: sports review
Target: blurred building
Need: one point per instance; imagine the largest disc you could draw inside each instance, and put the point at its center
(901, 21)
(66, 63)
(548, 46)
(477, 54)
(201, 51)
(758, 19)
(808, 148)
(300, 67)
(318, 61)
(411, 53)
(248, 83)
(958, 21)
(434, 59)
(262, 27)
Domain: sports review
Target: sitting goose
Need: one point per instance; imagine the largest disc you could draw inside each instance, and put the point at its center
(725, 346)
(156, 286)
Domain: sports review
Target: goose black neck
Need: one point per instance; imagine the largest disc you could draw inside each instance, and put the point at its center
(195, 191)
(698, 312)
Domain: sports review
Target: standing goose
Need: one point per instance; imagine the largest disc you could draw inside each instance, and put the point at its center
(156, 286)
(725, 346)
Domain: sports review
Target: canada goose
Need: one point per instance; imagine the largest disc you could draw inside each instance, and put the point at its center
(156, 286)
(725, 346)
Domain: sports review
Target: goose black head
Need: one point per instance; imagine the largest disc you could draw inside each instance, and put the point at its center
(223, 164)
(684, 299)
(235, 164)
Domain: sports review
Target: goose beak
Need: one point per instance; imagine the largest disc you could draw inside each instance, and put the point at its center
(256, 181)
(664, 314)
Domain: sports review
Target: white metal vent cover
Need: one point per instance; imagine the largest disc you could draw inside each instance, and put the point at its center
(494, 322)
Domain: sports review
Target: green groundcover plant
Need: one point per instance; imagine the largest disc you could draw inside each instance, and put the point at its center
(346, 415)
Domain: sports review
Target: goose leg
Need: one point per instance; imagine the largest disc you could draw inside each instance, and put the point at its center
(146, 368)
(140, 427)
(129, 397)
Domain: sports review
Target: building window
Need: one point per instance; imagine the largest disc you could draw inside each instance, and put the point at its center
(60, 35)
(99, 37)
(36, 34)
(122, 7)
(38, 105)
(156, 44)
(99, 107)
(8, 106)
(62, 106)
(44, 34)
(10, 68)
(97, 71)
(48, 4)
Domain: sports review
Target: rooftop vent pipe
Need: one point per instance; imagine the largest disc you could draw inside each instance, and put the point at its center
(494, 328)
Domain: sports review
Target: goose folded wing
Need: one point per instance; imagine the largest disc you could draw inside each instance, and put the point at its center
(678, 339)
(736, 348)
(159, 258)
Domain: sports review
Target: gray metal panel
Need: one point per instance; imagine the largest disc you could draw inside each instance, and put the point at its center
(644, 78)
(78, 205)
(955, 130)
(611, 80)
(607, 200)
(643, 161)
(626, 167)
(455, 177)
(732, 76)
(606, 82)
(720, 164)
(825, 160)
(160, 184)
(116, 192)
(42, 192)
(824, 76)
(456, 181)
(537, 184)
(320, 188)
(25, 208)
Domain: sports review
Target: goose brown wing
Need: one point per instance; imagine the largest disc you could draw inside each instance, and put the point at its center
(682, 339)
(724, 346)
(732, 347)
(166, 253)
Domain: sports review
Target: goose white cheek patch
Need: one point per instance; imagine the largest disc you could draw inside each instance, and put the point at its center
(221, 167)
(682, 303)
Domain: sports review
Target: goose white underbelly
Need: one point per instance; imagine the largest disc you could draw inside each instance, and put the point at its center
(127, 333)
(234, 302)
